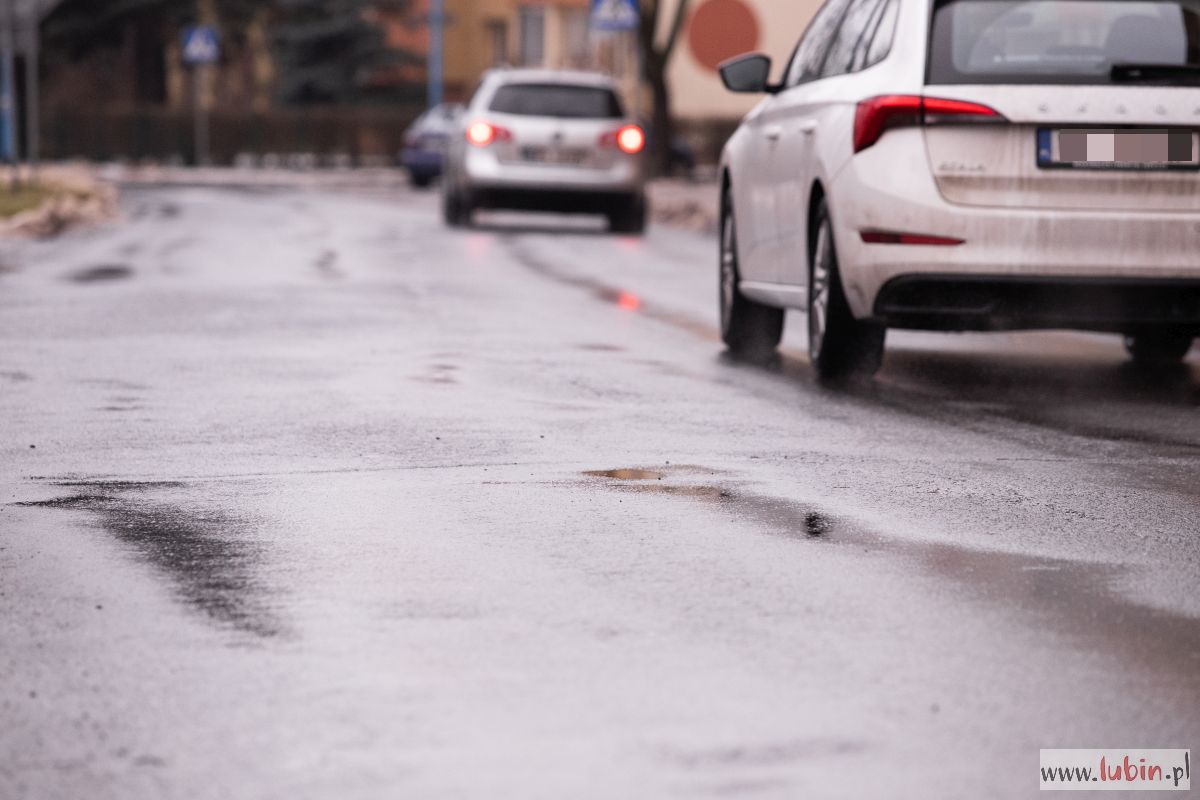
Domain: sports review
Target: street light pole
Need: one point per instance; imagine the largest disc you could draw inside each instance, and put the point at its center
(8, 100)
(437, 29)
(200, 120)
(33, 127)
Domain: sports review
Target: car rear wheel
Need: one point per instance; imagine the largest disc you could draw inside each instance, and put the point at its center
(839, 346)
(1158, 347)
(749, 329)
(420, 180)
(630, 217)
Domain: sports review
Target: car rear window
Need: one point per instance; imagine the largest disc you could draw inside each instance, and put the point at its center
(1062, 41)
(556, 100)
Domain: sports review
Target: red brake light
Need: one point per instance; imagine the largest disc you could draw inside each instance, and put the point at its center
(875, 115)
(481, 134)
(629, 139)
(937, 109)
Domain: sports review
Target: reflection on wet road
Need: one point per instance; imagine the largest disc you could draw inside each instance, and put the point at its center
(304, 486)
(209, 559)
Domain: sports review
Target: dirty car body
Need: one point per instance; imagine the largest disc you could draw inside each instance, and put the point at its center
(974, 165)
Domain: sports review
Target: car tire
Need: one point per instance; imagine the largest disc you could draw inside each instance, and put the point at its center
(630, 217)
(1158, 347)
(420, 180)
(839, 346)
(751, 330)
(456, 208)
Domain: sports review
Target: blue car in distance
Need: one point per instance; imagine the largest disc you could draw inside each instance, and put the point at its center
(425, 143)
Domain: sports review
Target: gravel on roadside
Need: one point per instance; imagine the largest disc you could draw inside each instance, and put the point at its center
(87, 193)
(692, 205)
(75, 196)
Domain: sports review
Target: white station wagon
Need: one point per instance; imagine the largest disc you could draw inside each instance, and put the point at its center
(968, 165)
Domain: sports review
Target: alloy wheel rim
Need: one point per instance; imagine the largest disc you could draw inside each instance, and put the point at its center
(818, 308)
(728, 270)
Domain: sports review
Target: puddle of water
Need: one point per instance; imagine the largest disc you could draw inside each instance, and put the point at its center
(625, 474)
(714, 493)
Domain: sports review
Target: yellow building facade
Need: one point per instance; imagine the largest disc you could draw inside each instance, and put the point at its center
(481, 34)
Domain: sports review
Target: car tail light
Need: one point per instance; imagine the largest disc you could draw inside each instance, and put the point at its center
(893, 237)
(481, 134)
(878, 114)
(629, 139)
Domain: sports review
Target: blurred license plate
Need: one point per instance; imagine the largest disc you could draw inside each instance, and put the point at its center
(552, 155)
(1099, 148)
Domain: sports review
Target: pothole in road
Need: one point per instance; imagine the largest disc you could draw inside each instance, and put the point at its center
(625, 474)
(103, 272)
(772, 512)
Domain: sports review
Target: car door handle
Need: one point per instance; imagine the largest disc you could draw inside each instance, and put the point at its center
(773, 132)
(808, 127)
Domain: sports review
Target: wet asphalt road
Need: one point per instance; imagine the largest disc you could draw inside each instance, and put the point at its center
(303, 496)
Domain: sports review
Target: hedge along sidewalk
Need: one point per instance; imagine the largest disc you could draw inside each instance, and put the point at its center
(63, 196)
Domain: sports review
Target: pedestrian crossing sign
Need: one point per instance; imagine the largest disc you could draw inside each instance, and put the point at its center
(614, 15)
(201, 46)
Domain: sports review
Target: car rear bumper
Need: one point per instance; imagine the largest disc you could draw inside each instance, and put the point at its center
(1015, 267)
(483, 172)
(1008, 302)
(567, 201)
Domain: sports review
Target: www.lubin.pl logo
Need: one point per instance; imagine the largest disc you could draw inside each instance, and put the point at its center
(1124, 769)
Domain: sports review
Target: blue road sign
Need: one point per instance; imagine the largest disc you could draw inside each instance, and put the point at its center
(614, 15)
(201, 45)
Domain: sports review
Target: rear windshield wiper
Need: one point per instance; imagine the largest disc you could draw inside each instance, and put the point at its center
(1127, 72)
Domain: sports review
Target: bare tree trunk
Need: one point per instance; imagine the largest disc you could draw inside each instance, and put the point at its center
(655, 58)
(661, 124)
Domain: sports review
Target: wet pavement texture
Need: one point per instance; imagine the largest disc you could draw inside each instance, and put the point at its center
(302, 495)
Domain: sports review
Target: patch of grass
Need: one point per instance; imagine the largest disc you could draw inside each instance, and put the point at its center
(23, 199)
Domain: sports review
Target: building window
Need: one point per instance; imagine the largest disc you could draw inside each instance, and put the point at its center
(575, 37)
(498, 41)
(533, 36)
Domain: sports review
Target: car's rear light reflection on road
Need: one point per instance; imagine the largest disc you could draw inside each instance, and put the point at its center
(479, 247)
(628, 301)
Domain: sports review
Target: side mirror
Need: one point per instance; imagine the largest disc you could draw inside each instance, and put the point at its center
(749, 73)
